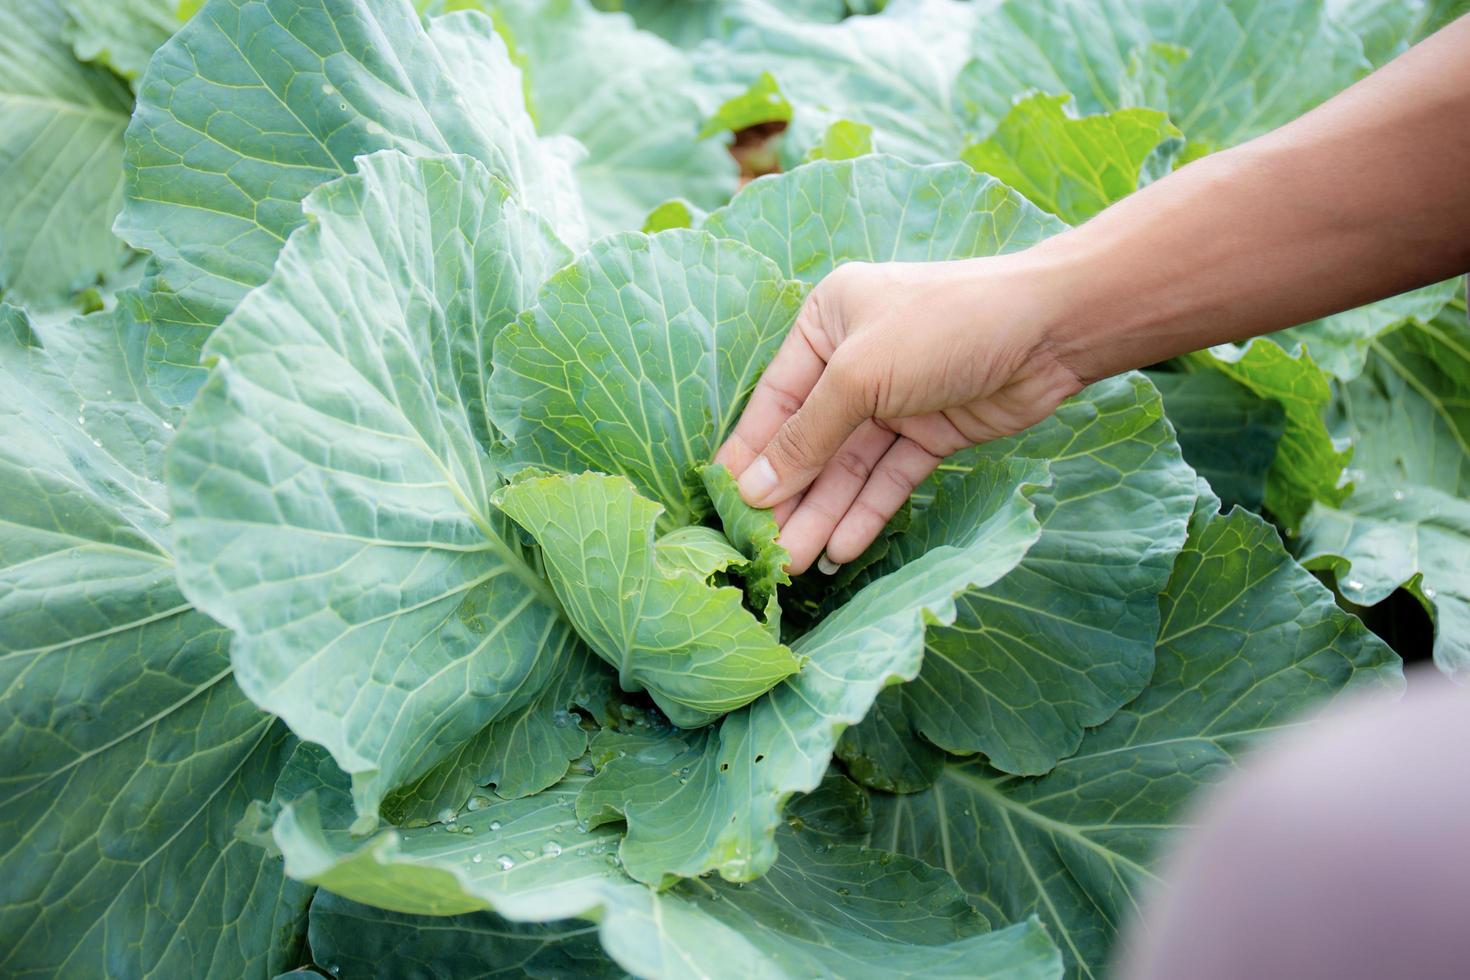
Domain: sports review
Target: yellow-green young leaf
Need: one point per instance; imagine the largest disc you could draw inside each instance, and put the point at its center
(723, 789)
(331, 485)
(694, 647)
(1074, 167)
(1248, 640)
(636, 359)
(754, 533)
(1223, 70)
(61, 178)
(761, 103)
(127, 753)
(1407, 522)
(843, 140)
(673, 213)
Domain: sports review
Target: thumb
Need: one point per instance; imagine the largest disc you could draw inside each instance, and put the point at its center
(808, 439)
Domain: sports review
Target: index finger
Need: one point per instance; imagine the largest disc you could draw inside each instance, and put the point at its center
(782, 389)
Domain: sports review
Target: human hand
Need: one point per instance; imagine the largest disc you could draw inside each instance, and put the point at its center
(889, 368)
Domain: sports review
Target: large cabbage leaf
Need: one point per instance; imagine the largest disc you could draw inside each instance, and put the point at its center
(60, 159)
(636, 359)
(129, 753)
(878, 208)
(1407, 522)
(331, 486)
(1067, 638)
(308, 87)
(1247, 640)
(827, 909)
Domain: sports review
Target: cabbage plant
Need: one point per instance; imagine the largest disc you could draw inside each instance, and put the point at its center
(369, 603)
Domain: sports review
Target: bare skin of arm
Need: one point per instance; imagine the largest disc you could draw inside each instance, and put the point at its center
(891, 367)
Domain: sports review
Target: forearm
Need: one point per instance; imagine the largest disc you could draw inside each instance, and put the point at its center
(1365, 197)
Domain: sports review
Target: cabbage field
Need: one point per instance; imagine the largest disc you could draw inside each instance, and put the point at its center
(369, 606)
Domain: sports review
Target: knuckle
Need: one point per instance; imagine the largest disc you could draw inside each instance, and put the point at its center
(897, 480)
(791, 445)
(849, 462)
(853, 378)
(784, 400)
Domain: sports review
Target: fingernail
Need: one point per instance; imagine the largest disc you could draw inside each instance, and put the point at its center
(758, 480)
(827, 566)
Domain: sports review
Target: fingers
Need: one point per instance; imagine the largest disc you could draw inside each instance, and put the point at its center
(783, 386)
(805, 532)
(903, 467)
(783, 511)
(806, 441)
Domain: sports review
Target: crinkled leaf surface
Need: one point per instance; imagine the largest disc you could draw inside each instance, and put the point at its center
(876, 209)
(331, 487)
(1407, 522)
(1248, 639)
(1074, 167)
(824, 910)
(720, 814)
(895, 72)
(755, 535)
(1247, 66)
(694, 647)
(626, 96)
(636, 360)
(519, 753)
(1067, 638)
(1309, 464)
(129, 754)
(350, 939)
(1227, 432)
(255, 102)
(123, 34)
(60, 159)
